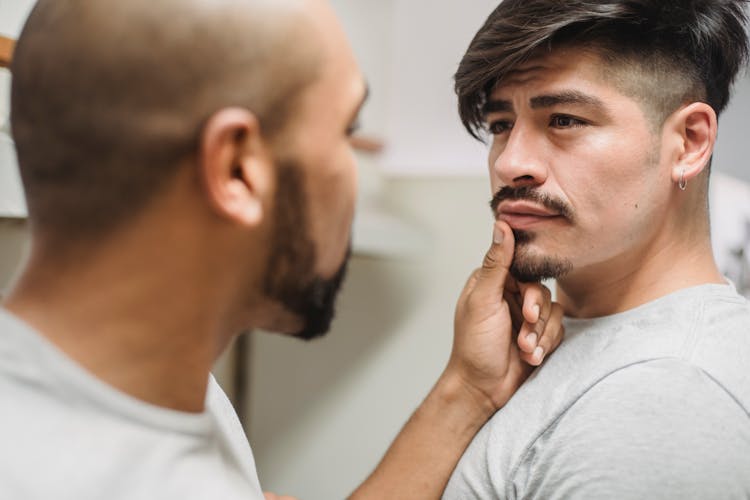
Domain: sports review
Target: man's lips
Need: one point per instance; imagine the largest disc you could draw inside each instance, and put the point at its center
(520, 214)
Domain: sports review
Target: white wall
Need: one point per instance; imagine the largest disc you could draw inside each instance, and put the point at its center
(733, 147)
(409, 51)
(423, 134)
(13, 13)
(13, 234)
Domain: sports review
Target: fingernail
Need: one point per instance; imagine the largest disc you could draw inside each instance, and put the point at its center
(538, 354)
(532, 338)
(498, 236)
(537, 311)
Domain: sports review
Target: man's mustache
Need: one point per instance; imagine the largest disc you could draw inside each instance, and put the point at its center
(531, 194)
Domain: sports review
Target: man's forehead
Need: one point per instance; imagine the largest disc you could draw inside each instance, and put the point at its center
(578, 64)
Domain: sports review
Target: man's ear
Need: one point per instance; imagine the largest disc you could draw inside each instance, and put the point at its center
(235, 165)
(695, 127)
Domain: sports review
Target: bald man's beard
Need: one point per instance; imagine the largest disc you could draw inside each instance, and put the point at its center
(290, 277)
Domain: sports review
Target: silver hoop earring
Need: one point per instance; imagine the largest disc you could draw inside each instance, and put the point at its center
(683, 181)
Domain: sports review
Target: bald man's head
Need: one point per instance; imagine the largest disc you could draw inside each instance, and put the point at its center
(109, 97)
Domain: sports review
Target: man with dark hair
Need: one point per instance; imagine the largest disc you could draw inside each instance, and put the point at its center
(189, 176)
(602, 117)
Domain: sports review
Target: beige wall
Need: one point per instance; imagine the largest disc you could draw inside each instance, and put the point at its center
(322, 414)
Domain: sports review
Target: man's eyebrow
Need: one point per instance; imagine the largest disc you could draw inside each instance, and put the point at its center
(497, 106)
(567, 97)
(547, 101)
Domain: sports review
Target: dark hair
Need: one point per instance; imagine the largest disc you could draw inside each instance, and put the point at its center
(109, 99)
(685, 49)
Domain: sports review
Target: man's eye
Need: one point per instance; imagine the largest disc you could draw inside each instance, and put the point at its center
(563, 121)
(499, 127)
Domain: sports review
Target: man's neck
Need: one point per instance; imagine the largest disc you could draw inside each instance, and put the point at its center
(634, 280)
(147, 331)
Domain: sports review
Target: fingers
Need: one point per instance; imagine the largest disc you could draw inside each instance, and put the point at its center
(490, 280)
(536, 319)
(537, 304)
(535, 349)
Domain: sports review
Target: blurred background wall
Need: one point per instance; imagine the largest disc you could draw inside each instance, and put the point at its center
(321, 415)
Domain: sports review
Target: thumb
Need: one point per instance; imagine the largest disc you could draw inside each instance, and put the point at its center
(494, 272)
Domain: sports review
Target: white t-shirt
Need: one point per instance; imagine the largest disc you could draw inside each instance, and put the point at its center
(65, 435)
(650, 403)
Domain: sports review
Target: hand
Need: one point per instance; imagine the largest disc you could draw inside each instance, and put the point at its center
(502, 328)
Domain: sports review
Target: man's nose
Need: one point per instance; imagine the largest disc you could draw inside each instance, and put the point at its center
(520, 161)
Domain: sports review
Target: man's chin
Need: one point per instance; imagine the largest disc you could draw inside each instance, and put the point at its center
(527, 269)
(310, 334)
(319, 308)
(317, 323)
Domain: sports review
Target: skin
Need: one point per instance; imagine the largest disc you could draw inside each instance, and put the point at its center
(560, 128)
(149, 308)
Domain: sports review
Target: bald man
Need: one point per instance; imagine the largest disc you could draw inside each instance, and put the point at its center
(189, 176)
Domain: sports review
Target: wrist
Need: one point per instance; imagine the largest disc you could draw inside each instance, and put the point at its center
(454, 390)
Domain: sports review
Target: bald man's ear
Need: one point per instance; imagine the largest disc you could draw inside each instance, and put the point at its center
(695, 128)
(236, 166)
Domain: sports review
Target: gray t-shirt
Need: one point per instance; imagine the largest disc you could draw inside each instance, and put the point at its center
(649, 403)
(65, 435)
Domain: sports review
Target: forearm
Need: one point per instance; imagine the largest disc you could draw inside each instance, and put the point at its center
(421, 459)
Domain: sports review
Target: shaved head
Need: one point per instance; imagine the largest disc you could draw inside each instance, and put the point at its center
(109, 97)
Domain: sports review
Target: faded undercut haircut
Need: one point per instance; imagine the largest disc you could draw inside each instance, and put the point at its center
(109, 97)
(664, 53)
